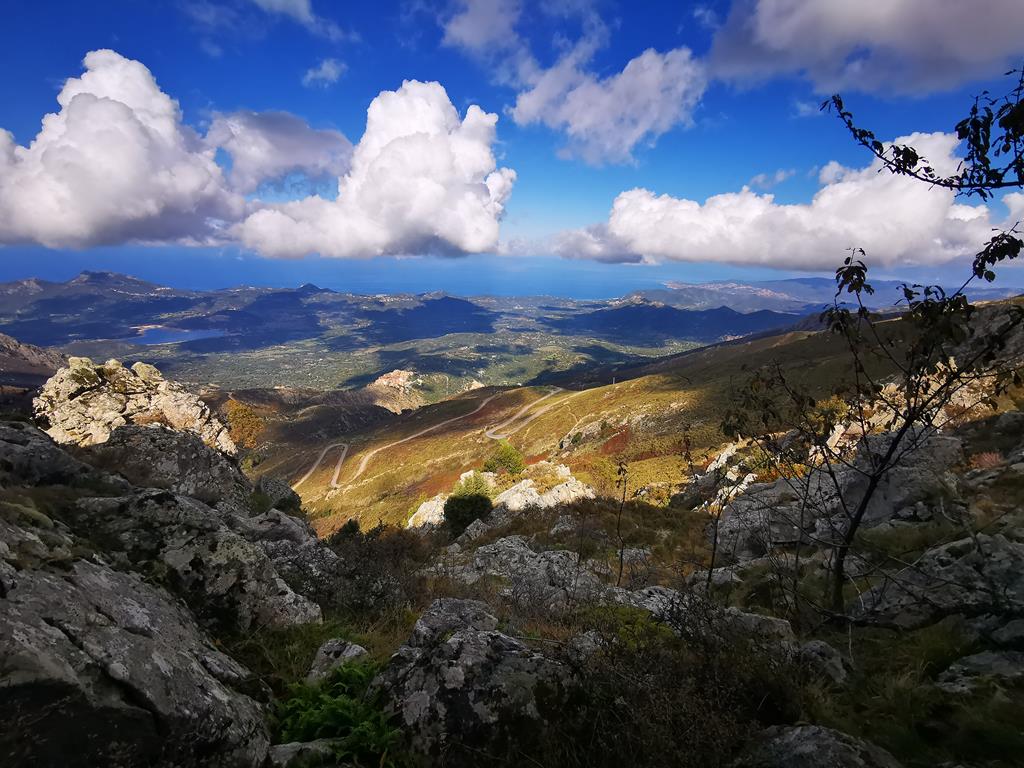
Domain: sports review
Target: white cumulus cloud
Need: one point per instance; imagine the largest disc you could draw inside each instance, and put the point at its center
(480, 26)
(326, 73)
(267, 146)
(894, 219)
(115, 163)
(605, 119)
(422, 180)
(896, 46)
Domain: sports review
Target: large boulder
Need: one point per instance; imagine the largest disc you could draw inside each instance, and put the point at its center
(227, 580)
(973, 576)
(156, 457)
(429, 513)
(28, 457)
(99, 667)
(550, 578)
(470, 690)
(84, 402)
(811, 746)
(810, 509)
(524, 495)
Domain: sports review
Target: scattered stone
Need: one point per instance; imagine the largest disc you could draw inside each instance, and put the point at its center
(1011, 633)
(811, 746)
(446, 615)
(332, 655)
(824, 660)
(304, 754)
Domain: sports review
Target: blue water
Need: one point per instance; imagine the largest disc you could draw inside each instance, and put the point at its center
(172, 336)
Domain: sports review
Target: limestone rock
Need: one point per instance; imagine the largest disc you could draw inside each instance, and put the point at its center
(811, 746)
(332, 655)
(448, 614)
(971, 576)
(467, 690)
(550, 578)
(101, 668)
(967, 673)
(156, 457)
(304, 754)
(279, 494)
(524, 495)
(29, 457)
(228, 582)
(430, 512)
(84, 402)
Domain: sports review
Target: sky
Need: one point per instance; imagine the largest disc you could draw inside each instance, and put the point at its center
(569, 147)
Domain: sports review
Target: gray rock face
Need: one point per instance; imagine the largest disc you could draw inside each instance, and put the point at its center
(469, 689)
(101, 668)
(549, 578)
(332, 655)
(446, 615)
(965, 674)
(306, 564)
(279, 494)
(789, 511)
(83, 403)
(29, 457)
(156, 457)
(229, 582)
(304, 754)
(956, 578)
(811, 746)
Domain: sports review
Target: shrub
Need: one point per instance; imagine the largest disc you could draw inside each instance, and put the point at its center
(379, 568)
(986, 460)
(343, 708)
(460, 511)
(474, 485)
(244, 425)
(686, 692)
(507, 458)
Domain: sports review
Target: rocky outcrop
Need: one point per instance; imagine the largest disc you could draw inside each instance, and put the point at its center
(811, 509)
(966, 674)
(84, 402)
(332, 655)
(228, 581)
(28, 457)
(429, 513)
(974, 576)
(549, 578)
(461, 689)
(524, 494)
(156, 457)
(811, 746)
(102, 668)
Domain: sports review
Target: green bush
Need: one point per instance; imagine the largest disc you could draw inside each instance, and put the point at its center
(507, 458)
(461, 510)
(474, 485)
(343, 708)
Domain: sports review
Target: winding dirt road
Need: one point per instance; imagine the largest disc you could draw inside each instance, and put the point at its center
(497, 432)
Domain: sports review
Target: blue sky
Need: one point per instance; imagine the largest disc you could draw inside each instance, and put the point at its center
(576, 123)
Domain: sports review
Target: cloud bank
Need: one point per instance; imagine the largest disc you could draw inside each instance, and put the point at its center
(267, 146)
(116, 163)
(890, 46)
(894, 219)
(422, 180)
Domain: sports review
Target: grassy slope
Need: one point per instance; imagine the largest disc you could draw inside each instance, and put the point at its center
(639, 420)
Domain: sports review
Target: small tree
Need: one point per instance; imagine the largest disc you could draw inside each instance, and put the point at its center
(904, 376)
(507, 458)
